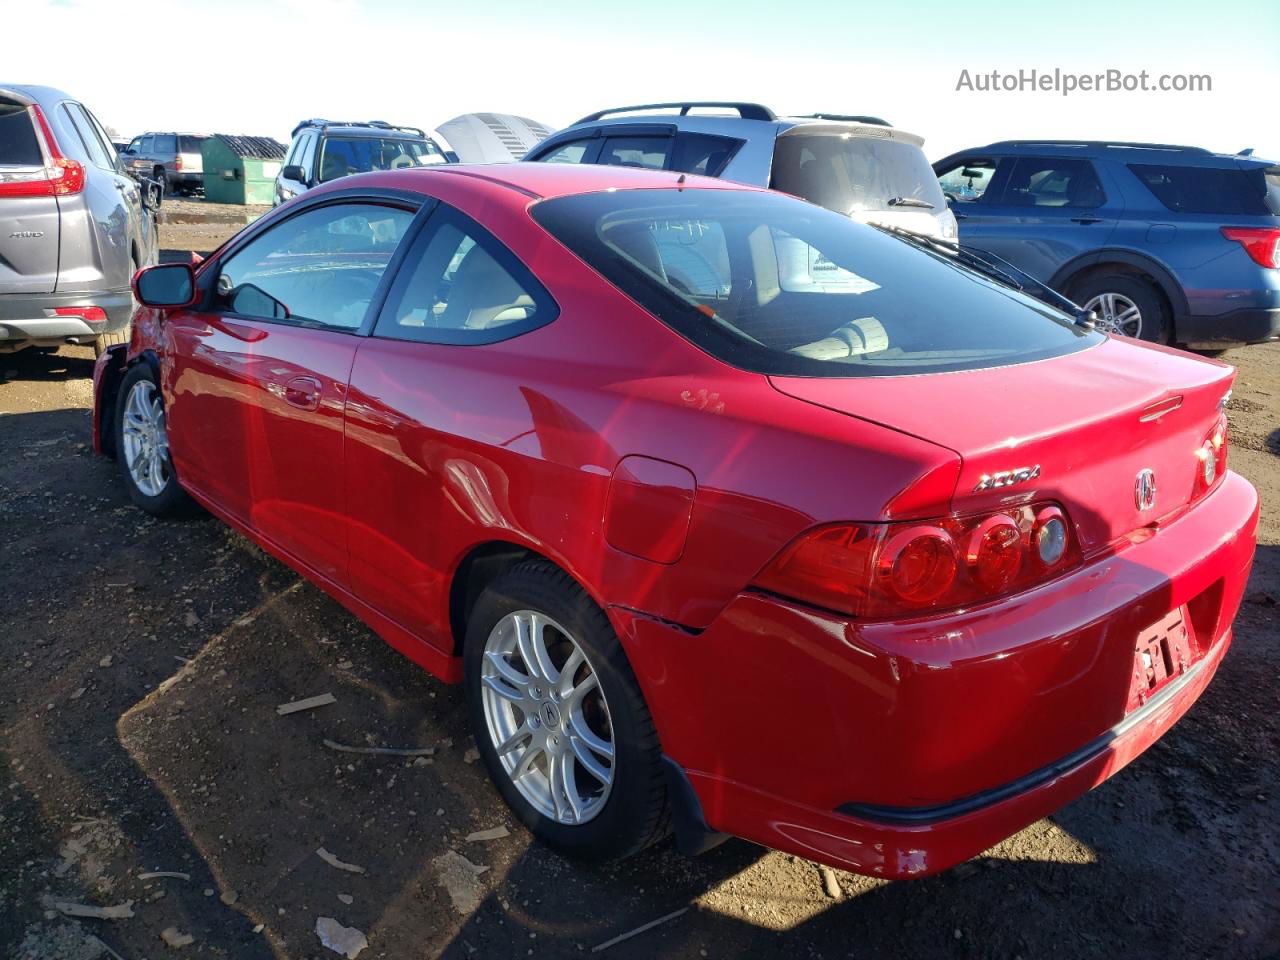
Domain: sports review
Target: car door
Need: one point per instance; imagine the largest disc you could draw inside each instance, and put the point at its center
(972, 186)
(1047, 211)
(435, 375)
(256, 379)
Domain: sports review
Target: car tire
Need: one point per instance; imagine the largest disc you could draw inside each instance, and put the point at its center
(612, 820)
(143, 451)
(1112, 294)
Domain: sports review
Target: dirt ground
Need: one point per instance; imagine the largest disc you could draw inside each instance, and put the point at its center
(141, 663)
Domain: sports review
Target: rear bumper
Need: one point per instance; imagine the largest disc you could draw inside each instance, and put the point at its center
(1246, 325)
(30, 317)
(902, 749)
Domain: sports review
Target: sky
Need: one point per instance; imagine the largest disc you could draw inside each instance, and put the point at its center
(257, 67)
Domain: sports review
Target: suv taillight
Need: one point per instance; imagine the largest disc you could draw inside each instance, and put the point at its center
(1261, 243)
(58, 177)
(886, 571)
(177, 163)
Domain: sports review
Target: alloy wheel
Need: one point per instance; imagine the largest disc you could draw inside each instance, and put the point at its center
(1116, 314)
(146, 445)
(547, 717)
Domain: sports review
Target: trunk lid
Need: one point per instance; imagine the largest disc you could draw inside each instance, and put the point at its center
(1090, 421)
(29, 225)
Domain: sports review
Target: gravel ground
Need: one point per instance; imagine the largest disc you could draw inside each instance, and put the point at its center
(143, 661)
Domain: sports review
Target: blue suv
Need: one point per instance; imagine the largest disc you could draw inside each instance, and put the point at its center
(1170, 244)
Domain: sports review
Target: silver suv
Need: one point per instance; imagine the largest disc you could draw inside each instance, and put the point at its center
(74, 226)
(175, 159)
(855, 165)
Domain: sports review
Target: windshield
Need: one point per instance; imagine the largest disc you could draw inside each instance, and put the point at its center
(771, 284)
(345, 155)
(848, 173)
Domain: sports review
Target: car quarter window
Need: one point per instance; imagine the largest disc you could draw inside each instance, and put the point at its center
(703, 154)
(1053, 182)
(97, 151)
(650, 152)
(967, 182)
(460, 285)
(321, 266)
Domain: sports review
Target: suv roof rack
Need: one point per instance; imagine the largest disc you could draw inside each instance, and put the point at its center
(375, 124)
(1125, 144)
(748, 111)
(844, 118)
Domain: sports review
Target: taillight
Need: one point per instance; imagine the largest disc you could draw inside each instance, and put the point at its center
(58, 177)
(95, 316)
(1212, 456)
(1261, 243)
(177, 163)
(887, 570)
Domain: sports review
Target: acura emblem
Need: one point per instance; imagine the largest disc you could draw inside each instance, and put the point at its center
(1144, 489)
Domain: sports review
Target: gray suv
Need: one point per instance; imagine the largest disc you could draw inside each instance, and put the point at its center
(175, 159)
(858, 166)
(324, 150)
(75, 228)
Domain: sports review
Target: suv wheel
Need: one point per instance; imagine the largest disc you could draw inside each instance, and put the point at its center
(1126, 305)
(559, 719)
(142, 445)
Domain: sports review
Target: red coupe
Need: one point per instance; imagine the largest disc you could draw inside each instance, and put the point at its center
(730, 514)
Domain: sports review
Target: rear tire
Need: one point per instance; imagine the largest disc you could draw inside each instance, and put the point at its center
(1114, 295)
(608, 820)
(142, 446)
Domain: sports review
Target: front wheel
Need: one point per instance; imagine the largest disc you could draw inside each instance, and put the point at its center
(559, 719)
(142, 445)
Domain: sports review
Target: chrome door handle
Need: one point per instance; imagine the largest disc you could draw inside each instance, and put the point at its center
(303, 392)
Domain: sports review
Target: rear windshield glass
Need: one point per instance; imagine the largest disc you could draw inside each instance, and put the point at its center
(342, 156)
(18, 145)
(771, 284)
(1254, 192)
(190, 144)
(847, 173)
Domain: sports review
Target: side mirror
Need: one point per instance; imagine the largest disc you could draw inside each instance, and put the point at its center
(166, 285)
(295, 173)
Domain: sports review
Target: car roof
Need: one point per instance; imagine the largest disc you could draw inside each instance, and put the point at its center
(548, 180)
(748, 126)
(35, 92)
(1170, 154)
(538, 181)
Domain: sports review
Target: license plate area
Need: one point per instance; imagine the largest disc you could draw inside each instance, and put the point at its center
(1162, 653)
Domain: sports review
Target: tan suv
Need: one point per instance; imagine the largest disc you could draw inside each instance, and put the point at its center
(172, 158)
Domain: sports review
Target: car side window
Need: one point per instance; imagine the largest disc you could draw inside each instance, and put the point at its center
(703, 154)
(968, 181)
(320, 267)
(460, 285)
(147, 144)
(135, 145)
(166, 143)
(571, 152)
(1053, 182)
(99, 155)
(649, 152)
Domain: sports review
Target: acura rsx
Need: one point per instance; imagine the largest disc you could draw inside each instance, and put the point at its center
(732, 516)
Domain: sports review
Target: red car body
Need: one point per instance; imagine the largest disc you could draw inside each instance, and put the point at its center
(664, 481)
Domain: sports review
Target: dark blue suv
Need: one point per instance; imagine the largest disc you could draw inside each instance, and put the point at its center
(1170, 244)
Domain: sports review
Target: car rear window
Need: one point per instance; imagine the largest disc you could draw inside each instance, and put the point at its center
(770, 284)
(1183, 189)
(848, 173)
(18, 144)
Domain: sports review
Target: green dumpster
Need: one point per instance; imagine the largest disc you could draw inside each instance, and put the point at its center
(241, 169)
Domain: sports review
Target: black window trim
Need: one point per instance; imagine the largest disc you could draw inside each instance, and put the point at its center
(546, 308)
(418, 205)
(1005, 165)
